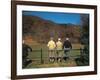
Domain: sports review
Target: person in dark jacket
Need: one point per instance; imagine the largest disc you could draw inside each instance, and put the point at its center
(25, 50)
(67, 47)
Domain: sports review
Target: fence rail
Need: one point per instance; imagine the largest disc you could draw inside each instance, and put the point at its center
(42, 57)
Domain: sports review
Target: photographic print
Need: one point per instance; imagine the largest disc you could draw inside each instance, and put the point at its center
(51, 39)
(55, 39)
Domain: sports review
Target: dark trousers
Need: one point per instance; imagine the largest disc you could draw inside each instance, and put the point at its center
(66, 52)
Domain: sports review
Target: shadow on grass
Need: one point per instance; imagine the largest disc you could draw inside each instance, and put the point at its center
(68, 63)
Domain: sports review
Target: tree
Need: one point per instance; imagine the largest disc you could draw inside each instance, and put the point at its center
(84, 59)
(85, 29)
(85, 37)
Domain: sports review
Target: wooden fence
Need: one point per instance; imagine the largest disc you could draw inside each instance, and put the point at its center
(41, 55)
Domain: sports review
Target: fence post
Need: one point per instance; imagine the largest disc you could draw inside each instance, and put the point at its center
(81, 52)
(41, 57)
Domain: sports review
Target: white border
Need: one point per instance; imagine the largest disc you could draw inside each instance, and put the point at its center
(21, 71)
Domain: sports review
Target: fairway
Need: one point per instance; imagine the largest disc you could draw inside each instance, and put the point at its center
(35, 56)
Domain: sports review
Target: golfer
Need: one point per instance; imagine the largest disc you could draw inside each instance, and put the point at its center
(59, 45)
(67, 47)
(51, 46)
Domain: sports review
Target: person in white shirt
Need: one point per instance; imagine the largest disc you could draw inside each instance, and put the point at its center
(59, 46)
(51, 46)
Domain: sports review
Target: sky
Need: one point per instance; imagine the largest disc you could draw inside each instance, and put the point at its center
(57, 17)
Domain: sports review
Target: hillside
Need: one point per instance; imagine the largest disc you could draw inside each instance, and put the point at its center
(41, 30)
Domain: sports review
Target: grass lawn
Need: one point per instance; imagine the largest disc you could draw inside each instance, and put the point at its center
(35, 56)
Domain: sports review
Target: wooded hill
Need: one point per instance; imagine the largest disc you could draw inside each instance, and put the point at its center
(41, 30)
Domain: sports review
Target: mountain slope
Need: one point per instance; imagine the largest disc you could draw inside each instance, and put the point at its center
(41, 30)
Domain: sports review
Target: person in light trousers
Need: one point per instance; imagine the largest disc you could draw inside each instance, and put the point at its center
(59, 45)
(51, 46)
